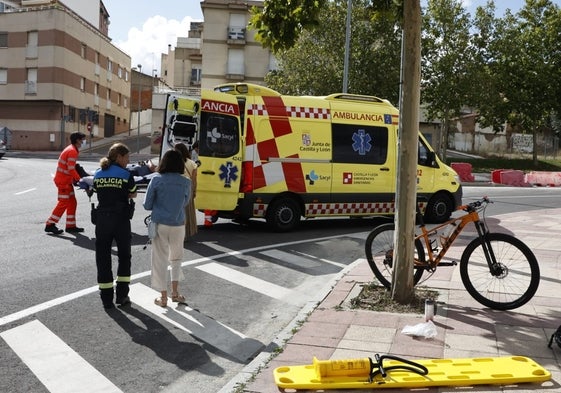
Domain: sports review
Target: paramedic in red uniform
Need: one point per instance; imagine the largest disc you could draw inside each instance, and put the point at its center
(65, 177)
(114, 186)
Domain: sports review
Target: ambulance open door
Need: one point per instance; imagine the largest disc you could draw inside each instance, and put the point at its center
(220, 152)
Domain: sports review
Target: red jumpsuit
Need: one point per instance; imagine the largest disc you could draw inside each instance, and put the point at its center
(65, 175)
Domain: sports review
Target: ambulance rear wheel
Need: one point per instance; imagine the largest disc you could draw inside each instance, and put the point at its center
(283, 215)
(439, 209)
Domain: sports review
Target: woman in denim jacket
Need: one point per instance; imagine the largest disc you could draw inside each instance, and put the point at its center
(166, 196)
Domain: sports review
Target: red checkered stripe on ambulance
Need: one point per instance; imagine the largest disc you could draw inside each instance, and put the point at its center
(342, 209)
(285, 176)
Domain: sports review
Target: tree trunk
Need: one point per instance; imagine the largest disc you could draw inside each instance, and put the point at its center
(406, 191)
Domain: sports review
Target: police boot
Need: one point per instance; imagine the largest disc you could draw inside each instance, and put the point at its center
(122, 294)
(107, 297)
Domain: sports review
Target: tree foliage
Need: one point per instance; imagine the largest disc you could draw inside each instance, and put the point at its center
(445, 79)
(281, 22)
(314, 65)
(506, 68)
(519, 67)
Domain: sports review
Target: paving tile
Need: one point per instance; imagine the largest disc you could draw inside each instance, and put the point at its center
(323, 329)
(465, 342)
(370, 334)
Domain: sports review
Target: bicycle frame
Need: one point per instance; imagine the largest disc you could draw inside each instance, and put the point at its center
(435, 258)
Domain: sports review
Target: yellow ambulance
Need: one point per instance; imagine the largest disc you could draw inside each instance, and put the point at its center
(280, 158)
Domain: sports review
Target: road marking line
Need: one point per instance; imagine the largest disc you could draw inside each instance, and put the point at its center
(72, 296)
(197, 324)
(55, 364)
(25, 191)
(246, 280)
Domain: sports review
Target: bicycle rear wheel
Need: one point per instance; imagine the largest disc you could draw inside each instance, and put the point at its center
(379, 247)
(516, 277)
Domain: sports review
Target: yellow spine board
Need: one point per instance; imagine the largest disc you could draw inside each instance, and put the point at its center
(354, 373)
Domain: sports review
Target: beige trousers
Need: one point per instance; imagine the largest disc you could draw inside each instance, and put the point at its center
(167, 250)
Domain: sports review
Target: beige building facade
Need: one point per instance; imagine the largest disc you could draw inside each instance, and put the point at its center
(182, 66)
(59, 73)
(229, 50)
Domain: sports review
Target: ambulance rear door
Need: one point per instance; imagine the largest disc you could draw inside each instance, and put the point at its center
(220, 152)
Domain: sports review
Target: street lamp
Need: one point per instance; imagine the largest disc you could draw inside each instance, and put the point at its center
(139, 109)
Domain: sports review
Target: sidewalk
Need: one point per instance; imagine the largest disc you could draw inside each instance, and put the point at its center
(95, 150)
(465, 328)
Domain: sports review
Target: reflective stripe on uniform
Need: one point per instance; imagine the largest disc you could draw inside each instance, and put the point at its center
(106, 285)
(123, 279)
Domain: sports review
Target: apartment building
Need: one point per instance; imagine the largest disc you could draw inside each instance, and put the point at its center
(60, 73)
(182, 66)
(229, 51)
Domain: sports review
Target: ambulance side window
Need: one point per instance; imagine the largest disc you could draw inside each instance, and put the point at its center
(426, 156)
(359, 144)
(219, 135)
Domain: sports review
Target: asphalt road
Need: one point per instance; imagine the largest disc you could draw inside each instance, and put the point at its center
(246, 288)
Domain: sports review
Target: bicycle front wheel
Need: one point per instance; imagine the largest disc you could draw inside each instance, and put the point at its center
(509, 284)
(379, 253)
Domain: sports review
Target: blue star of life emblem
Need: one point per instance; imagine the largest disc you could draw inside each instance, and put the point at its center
(361, 142)
(228, 173)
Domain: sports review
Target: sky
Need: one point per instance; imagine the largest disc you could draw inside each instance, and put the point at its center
(144, 28)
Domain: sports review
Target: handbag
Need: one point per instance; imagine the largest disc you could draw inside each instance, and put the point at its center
(152, 230)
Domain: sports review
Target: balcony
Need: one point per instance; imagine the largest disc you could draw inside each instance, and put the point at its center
(30, 87)
(236, 35)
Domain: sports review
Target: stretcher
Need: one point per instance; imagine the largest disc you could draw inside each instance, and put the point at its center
(393, 372)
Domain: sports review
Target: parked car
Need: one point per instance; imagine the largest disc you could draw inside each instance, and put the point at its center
(2, 148)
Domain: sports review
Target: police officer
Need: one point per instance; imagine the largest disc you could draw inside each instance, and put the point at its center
(115, 187)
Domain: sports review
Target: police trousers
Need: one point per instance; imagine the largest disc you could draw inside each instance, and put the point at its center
(112, 226)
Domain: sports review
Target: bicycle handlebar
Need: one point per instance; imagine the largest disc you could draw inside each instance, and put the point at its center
(473, 206)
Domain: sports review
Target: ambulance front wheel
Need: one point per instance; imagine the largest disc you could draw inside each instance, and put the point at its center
(439, 208)
(283, 215)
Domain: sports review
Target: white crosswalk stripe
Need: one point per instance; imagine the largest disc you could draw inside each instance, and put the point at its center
(61, 369)
(54, 363)
(197, 324)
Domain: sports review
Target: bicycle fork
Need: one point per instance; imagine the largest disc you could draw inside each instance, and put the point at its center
(494, 267)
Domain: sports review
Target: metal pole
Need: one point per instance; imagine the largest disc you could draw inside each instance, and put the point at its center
(347, 47)
(139, 109)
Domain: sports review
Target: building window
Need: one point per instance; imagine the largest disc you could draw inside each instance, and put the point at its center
(71, 114)
(31, 81)
(32, 41)
(3, 76)
(196, 76)
(108, 101)
(235, 62)
(83, 50)
(3, 39)
(120, 72)
(125, 102)
(119, 98)
(236, 28)
(96, 61)
(109, 69)
(126, 75)
(82, 84)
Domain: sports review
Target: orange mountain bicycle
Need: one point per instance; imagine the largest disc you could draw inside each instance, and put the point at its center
(497, 269)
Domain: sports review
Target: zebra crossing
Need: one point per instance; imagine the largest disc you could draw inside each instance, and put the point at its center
(61, 369)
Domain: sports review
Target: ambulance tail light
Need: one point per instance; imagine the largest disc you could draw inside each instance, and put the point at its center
(246, 184)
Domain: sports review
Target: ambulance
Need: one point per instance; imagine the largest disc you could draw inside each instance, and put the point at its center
(281, 158)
